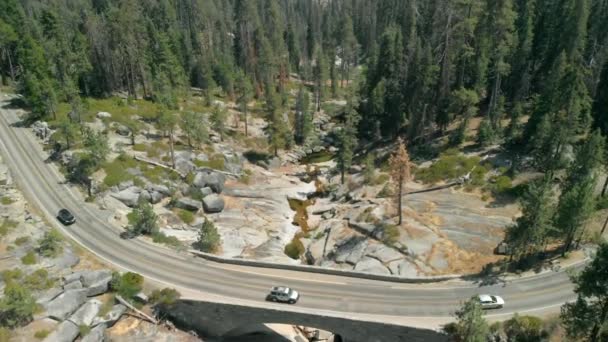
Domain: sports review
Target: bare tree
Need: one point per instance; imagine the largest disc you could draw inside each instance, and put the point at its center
(400, 170)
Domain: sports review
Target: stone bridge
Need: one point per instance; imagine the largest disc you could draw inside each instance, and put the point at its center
(222, 321)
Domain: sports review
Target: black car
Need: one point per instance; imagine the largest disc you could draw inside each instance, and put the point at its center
(66, 217)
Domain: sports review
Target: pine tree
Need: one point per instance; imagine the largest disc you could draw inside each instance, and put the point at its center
(277, 128)
(303, 119)
(219, 116)
(208, 239)
(529, 233)
(319, 77)
(68, 130)
(192, 124)
(600, 103)
(470, 325)
(347, 138)
(144, 220)
(166, 122)
(245, 95)
(400, 170)
(586, 318)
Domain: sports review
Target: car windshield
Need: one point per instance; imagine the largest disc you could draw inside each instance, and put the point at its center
(493, 298)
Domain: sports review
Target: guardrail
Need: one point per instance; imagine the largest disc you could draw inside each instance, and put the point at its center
(322, 270)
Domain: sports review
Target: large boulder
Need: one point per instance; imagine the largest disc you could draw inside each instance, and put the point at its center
(213, 203)
(125, 185)
(188, 203)
(208, 178)
(144, 197)
(86, 313)
(66, 332)
(155, 197)
(65, 304)
(206, 191)
(371, 265)
(48, 296)
(96, 334)
(111, 317)
(73, 285)
(184, 166)
(122, 130)
(233, 163)
(163, 189)
(103, 115)
(129, 196)
(89, 278)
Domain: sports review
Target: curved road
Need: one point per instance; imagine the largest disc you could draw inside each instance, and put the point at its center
(44, 187)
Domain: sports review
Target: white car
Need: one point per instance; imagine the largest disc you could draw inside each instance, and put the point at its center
(491, 301)
(283, 294)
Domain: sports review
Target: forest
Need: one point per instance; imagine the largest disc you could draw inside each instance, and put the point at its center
(535, 72)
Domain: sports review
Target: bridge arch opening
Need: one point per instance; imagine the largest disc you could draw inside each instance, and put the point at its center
(275, 332)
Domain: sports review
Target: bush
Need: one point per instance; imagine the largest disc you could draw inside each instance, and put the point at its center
(11, 275)
(486, 134)
(246, 176)
(6, 227)
(170, 241)
(50, 245)
(186, 216)
(165, 296)
(22, 240)
(502, 185)
(140, 147)
(38, 280)
(294, 249)
(208, 239)
(387, 191)
(380, 179)
(215, 162)
(17, 307)
(126, 285)
(525, 328)
(41, 334)
(84, 330)
(5, 334)
(29, 258)
(390, 234)
(450, 166)
(6, 200)
(115, 170)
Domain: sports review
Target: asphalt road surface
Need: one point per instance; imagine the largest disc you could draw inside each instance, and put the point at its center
(45, 188)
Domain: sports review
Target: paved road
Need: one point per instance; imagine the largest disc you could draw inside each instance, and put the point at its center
(44, 187)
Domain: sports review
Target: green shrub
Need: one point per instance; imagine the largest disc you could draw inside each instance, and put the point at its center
(140, 147)
(319, 235)
(5, 334)
(126, 285)
(525, 328)
(387, 191)
(84, 330)
(29, 258)
(186, 216)
(366, 216)
(165, 296)
(38, 280)
(503, 184)
(215, 162)
(6, 200)
(246, 176)
(208, 238)
(450, 166)
(294, 249)
(22, 240)
(17, 306)
(390, 234)
(11, 275)
(6, 226)
(170, 241)
(50, 245)
(115, 170)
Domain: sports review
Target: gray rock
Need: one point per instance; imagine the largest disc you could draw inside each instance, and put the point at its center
(73, 285)
(89, 278)
(328, 215)
(144, 197)
(213, 180)
(188, 203)
(122, 130)
(202, 157)
(155, 197)
(66, 332)
(98, 288)
(129, 196)
(274, 163)
(65, 304)
(213, 203)
(318, 149)
(371, 265)
(206, 191)
(163, 189)
(4, 175)
(355, 169)
(68, 278)
(322, 210)
(233, 162)
(354, 246)
(48, 296)
(103, 115)
(111, 317)
(65, 261)
(184, 166)
(97, 334)
(86, 313)
(125, 185)
(67, 157)
(362, 227)
(383, 253)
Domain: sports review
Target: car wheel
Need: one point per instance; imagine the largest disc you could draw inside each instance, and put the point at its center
(292, 301)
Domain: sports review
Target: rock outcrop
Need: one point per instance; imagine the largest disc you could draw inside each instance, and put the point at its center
(213, 180)
(213, 203)
(188, 203)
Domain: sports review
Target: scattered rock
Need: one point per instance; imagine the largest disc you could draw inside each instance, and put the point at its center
(145, 197)
(163, 189)
(41, 129)
(125, 185)
(65, 304)
(122, 130)
(97, 334)
(213, 180)
(155, 197)
(184, 166)
(188, 203)
(129, 196)
(213, 203)
(75, 285)
(66, 332)
(90, 278)
(103, 115)
(202, 157)
(371, 265)
(206, 191)
(86, 313)
(111, 317)
(383, 253)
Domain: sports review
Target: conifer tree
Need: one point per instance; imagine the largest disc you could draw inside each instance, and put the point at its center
(400, 170)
